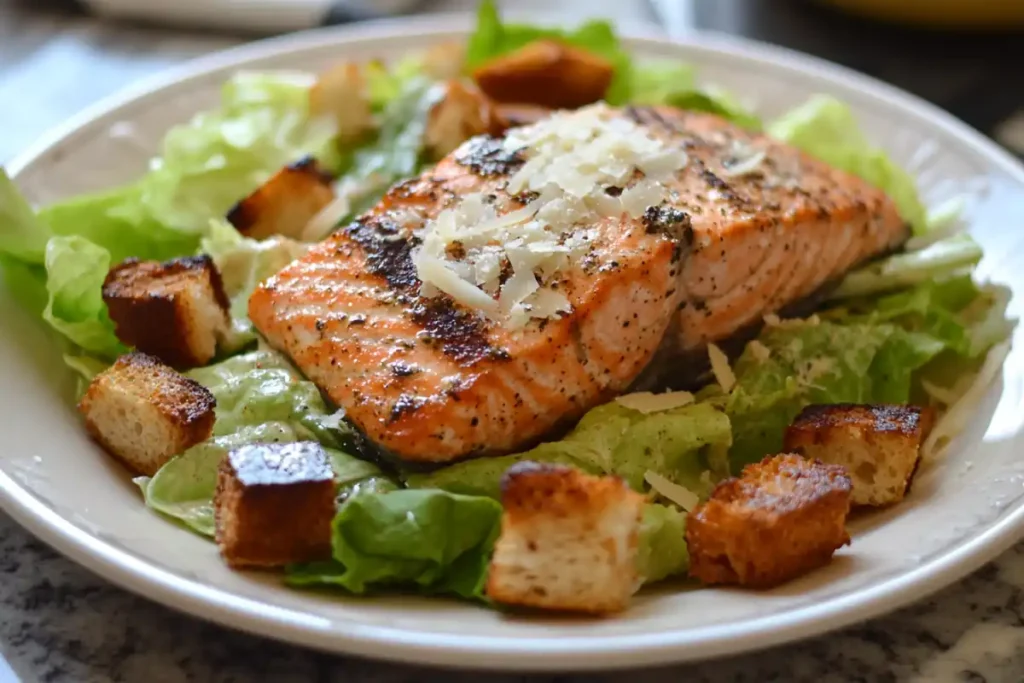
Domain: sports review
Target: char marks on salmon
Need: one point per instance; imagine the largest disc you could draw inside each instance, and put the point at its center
(744, 226)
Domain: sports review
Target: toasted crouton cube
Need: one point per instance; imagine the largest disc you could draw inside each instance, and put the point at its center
(522, 114)
(341, 93)
(459, 114)
(176, 310)
(144, 413)
(548, 73)
(284, 204)
(780, 519)
(445, 60)
(879, 445)
(568, 540)
(274, 504)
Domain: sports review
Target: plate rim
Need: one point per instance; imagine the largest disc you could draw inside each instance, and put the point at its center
(482, 652)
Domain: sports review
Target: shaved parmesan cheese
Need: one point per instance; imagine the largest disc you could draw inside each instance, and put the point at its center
(720, 367)
(772, 320)
(571, 160)
(440, 275)
(324, 222)
(759, 350)
(745, 166)
(637, 199)
(962, 412)
(680, 495)
(646, 402)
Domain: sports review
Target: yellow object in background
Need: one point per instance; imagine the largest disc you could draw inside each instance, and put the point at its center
(973, 14)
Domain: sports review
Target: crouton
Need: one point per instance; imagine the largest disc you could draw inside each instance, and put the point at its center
(522, 114)
(548, 73)
(284, 204)
(445, 60)
(274, 504)
(780, 519)
(879, 445)
(176, 310)
(341, 93)
(459, 114)
(568, 540)
(144, 413)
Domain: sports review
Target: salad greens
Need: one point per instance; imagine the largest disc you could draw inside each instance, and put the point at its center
(259, 400)
(437, 541)
(912, 326)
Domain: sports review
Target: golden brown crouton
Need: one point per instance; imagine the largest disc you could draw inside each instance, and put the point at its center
(274, 504)
(341, 93)
(781, 518)
(445, 60)
(284, 204)
(522, 114)
(176, 310)
(459, 114)
(548, 73)
(879, 445)
(144, 413)
(568, 540)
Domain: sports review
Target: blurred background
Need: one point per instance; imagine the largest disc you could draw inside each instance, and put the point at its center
(57, 56)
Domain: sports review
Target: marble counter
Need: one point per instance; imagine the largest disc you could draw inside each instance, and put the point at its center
(58, 622)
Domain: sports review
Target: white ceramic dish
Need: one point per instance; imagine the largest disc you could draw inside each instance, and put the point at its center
(962, 512)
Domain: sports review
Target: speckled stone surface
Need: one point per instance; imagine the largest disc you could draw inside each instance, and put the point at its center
(60, 623)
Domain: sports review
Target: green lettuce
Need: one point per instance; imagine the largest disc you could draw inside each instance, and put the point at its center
(493, 38)
(661, 547)
(23, 236)
(827, 129)
(75, 269)
(940, 259)
(431, 540)
(244, 263)
(610, 439)
(259, 400)
(812, 362)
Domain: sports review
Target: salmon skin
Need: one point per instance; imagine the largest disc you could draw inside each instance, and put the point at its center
(749, 226)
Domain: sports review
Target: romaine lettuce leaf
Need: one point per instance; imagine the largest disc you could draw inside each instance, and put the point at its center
(674, 83)
(661, 548)
(259, 400)
(493, 38)
(610, 439)
(827, 129)
(940, 259)
(23, 236)
(244, 263)
(435, 541)
(75, 270)
(818, 362)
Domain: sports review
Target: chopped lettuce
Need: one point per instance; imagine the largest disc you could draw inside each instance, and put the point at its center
(396, 153)
(674, 83)
(818, 362)
(23, 235)
(827, 129)
(205, 166)
(244, 263)
(431, 540)
(661, 548)
(610, 439)
(75, 269)
(493, 38)
(259, 400)
(937, 260)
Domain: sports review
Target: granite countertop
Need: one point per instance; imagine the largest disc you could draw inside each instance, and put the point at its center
(59, 622)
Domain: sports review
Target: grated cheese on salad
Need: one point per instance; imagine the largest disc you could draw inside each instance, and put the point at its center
(678, 494)
(571, 159)
(646, 402)
(720, 368)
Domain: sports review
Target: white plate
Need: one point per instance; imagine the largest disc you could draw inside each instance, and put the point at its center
(961, 513)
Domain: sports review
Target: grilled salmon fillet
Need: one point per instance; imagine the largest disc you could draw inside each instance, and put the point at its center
(430, 380)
